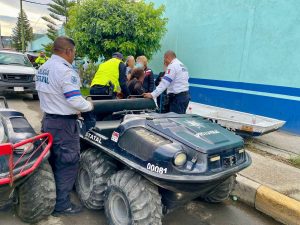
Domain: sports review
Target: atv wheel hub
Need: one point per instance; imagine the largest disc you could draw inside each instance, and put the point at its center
(85, 180)
(119, 209)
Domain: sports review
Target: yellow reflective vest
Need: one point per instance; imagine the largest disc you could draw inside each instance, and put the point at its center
(40, 60)
(108, 71)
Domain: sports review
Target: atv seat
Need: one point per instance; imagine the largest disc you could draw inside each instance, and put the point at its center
(106, 128)
(106, 108)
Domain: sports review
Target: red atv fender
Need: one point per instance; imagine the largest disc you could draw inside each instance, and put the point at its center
(8, 149)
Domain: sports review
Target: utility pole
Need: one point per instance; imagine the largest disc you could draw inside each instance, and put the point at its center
(22, 27)
(1, 43)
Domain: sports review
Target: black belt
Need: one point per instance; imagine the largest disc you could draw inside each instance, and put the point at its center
(100, 86)
(56, 116)
(172, 95)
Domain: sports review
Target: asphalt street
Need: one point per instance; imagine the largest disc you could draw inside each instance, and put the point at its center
(194, 213)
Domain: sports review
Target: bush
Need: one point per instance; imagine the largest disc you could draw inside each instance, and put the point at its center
(88, 75)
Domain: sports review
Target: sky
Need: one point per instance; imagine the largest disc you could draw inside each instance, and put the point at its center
(9, 10)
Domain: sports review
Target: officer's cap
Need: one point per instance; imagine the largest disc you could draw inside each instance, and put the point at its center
(117, 55)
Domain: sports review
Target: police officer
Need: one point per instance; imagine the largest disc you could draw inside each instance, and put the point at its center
(110, 78)
(41, 59)
(58, 87)
(176, 82)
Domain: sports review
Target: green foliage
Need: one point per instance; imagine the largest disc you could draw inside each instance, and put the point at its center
(17, 32)
(295, 161)
(85, 91)
(59, 12)
(101, 27)
(88, 74)
(48, 49)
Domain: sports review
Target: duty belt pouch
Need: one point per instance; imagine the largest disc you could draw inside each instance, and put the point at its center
(110, 88)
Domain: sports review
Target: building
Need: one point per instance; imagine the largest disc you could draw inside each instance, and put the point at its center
(40, 40)
(241, 55)
(5, 42)
(38, 43)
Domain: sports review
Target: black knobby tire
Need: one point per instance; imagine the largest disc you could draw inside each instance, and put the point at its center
(222, 191)
(35, 96)
(131, 199)
(37, 195)
(94, 171)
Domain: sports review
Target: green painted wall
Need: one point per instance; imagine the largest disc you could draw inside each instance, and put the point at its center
(253, 41)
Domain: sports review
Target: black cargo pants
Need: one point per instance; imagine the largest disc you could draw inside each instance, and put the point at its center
(65, 155)
(178, 103)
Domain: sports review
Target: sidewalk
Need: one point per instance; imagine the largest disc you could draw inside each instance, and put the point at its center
(278, 143)
(271, 186)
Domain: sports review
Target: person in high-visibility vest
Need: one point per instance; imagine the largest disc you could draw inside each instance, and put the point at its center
(110, 79)
(41, 59)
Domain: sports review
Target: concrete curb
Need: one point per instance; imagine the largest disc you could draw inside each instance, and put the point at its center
(280, 207)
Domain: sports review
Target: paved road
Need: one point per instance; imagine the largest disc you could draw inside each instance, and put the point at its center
(194, 213)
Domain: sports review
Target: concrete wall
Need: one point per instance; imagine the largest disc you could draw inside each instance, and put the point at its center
(241, 54)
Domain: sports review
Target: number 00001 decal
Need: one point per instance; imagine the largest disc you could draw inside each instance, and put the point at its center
(156, 169)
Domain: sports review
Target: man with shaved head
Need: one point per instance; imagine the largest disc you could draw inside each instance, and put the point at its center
(176, 81)
(58, 87)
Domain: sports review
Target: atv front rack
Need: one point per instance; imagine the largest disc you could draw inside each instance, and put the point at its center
(44, 142)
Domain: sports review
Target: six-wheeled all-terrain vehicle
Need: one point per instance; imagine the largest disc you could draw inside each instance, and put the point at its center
(26, 178)
(139, 164)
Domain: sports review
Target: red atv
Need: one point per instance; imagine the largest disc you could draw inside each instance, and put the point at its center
(26, 178)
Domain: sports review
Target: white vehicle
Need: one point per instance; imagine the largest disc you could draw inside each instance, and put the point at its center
(16, 73)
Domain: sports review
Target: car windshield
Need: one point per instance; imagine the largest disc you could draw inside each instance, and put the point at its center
(14, 59)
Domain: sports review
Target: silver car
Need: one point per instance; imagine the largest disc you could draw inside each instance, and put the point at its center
(16, 73)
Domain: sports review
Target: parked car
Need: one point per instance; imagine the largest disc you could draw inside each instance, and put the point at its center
(16, 73)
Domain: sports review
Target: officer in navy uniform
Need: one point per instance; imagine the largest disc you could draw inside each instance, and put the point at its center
(176, 81)
(58, 87)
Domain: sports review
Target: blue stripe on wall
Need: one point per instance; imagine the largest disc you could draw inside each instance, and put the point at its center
(283, 109)
(248, 86)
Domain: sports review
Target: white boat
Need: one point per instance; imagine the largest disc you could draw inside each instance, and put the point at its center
(244, 124)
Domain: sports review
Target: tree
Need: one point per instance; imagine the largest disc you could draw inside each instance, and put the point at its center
(17, 32)
(101, 27)
(59, 12)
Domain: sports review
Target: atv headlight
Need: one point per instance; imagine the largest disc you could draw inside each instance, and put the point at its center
(180, 159)
(27, 147)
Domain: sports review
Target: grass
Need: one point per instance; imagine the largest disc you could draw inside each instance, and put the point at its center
(295, 161)
(85, 91)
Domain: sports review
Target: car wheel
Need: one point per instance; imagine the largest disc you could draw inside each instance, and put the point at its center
(222, 191)
(35, 96)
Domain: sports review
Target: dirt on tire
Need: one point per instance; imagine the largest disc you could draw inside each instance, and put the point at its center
(95, 169)
(221, 192)
(37, 195)
(142, 198)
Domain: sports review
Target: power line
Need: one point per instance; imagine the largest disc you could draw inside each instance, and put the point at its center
(37, 3)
